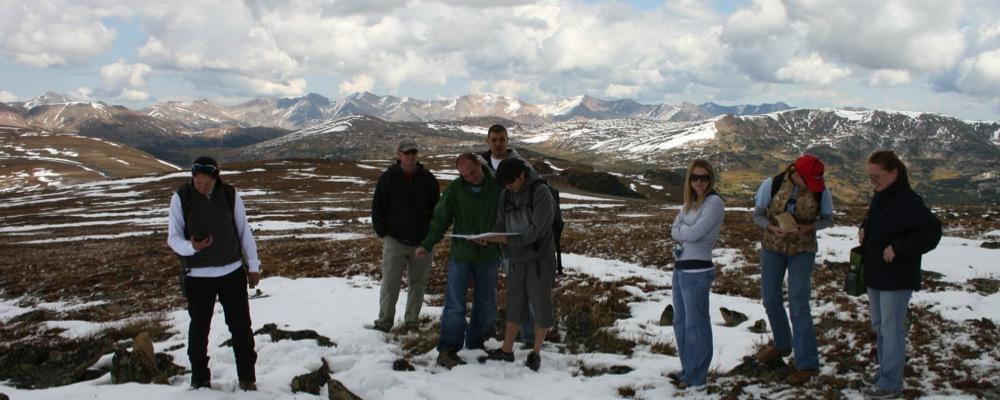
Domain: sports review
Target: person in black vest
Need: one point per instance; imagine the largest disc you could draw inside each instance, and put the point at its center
(402, 207)
(207, 228)
(897, 230)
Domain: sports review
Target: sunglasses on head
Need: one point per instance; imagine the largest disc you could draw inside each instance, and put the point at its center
(701, 178)
(207, 168)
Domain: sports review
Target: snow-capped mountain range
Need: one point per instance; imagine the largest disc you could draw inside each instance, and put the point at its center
(312, 109)
(962, 156)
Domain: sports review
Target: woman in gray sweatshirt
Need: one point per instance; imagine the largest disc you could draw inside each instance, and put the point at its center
(696, 230)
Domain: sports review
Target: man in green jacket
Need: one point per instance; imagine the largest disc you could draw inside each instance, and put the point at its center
(470, 204)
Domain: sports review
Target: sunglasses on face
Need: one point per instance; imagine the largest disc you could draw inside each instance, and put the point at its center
(410, 152)
(207, 168)
(701, 178)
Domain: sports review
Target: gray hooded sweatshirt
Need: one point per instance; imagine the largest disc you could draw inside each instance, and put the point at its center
(534, 224)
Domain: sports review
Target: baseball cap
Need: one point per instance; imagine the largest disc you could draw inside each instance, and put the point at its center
(811, 169)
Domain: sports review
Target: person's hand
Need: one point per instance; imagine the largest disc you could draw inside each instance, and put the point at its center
(777, 231)
(253, 278)
(803, 229)
(861, 236)
(420, 253)
(888, 255)
(198, 246)
(496, 239)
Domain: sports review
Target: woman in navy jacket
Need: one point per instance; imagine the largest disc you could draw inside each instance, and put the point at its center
(898, 229)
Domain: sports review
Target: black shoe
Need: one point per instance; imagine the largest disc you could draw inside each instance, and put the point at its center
(498, 355)
(201, 379)
(534, 361)
(248, 386)
(676, 376)
(449, 358)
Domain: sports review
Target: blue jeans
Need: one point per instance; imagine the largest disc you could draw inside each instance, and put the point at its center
(888, 315)
(801, 337)
(454, 330)
(692, 325)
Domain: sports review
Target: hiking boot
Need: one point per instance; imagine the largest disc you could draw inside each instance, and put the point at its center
(676, 376)
(379, 327)
(769, 354)
(409, 328)
(498, 355)
(797, 378)
(449, 358)
(534, 361)
(873, 393)
(248, 386)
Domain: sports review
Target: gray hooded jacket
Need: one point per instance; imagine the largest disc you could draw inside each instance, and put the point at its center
(535, 238)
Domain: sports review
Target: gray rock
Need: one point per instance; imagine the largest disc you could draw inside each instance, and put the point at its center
(337, 391)
(667, 316)
(402, 365)
(758, 327)
(733, 318)
(313, 381)
(142, 365)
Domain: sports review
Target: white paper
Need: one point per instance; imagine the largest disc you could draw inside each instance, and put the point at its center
(485, 235)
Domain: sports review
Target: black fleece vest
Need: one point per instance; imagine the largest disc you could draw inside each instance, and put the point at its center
(212, 216)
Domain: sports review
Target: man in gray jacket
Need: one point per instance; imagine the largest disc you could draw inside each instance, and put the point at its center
(526, 208)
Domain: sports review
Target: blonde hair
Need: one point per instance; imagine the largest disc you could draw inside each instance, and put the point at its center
(691, 200)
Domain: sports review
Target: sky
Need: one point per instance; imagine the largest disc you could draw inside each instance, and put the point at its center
(915, 55)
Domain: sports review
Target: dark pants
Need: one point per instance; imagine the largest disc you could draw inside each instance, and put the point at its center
(232, 293)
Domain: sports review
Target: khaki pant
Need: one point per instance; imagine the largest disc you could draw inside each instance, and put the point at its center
(395, 257)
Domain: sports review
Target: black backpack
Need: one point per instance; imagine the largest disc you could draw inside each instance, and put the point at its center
(557, 221)
(780, 178)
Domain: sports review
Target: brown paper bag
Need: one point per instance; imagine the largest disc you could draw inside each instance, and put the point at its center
(786, 222)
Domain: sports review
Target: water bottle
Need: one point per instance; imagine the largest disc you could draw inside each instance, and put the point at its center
(678, 250)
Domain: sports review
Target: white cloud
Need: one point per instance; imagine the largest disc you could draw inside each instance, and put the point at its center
(763, 19)
(811, 70)
(44, 34)
(7, 97)
(889, 77)
(360, 83)
(124, 81)
(82, 93)
(980, 75)
(620, 91)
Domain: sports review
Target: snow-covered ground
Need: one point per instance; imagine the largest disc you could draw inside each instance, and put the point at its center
(340, 307)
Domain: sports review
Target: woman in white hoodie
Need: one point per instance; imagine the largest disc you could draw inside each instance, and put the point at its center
(696, 230)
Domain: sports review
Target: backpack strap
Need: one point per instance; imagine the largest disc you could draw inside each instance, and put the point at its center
(776, 182)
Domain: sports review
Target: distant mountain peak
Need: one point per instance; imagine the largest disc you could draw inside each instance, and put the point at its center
(46, 99)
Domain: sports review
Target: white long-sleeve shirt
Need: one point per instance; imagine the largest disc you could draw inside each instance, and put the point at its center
(182, 245)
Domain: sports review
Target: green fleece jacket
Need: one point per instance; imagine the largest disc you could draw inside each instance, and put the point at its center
(471, 213)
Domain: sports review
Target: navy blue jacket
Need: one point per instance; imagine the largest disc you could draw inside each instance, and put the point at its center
(897, 216)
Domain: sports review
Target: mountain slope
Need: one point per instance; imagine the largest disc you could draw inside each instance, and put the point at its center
(31, 159)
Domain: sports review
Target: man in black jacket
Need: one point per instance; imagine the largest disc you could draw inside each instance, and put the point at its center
(402, 208)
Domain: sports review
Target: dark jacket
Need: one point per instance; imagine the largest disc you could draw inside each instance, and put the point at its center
(402, 208)
(468, 213)
(897, 216)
